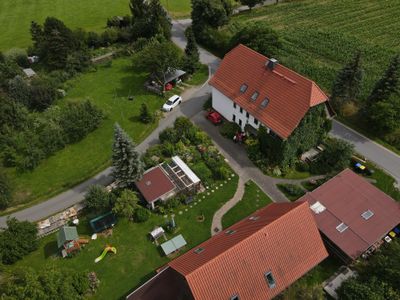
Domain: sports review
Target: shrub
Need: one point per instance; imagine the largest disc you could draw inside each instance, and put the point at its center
(97, 198)
(336, 157)
(221, 173)
(5, 190)
(229, 129)
(141, 214)
(168, 149)
(169, 135)
(202, 171)
(292, 190)
(172, 203)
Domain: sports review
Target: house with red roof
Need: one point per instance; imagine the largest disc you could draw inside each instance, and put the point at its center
(256, 258)
(353, 216)
(253, 90)
(160, 183)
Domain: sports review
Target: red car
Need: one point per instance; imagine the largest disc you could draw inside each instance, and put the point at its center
(214, 117)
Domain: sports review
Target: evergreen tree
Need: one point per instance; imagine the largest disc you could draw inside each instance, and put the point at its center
(5, 190)
(347, 84)
(388, 84)
(160, 23)
(192, 55)
(385, 114)
(126, 162)
(145, 115)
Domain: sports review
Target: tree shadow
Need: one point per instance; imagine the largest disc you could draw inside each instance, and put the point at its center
(50, 249)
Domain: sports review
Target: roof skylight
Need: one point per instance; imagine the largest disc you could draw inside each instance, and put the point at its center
(317, 207)
(367, 214)
(254, 96)
(199, 250)
(341, 227)
(264, 103)
(230, 231)
(243, 88)
(254, 218)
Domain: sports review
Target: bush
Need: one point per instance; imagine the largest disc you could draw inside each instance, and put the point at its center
(221, 173)
(17, 240)
(202, 171)
(336, 157)
(172, 203)
(141, 214)
(229, 129)
(292, 190)
(97, 198)
(5, 190)
(169, 135)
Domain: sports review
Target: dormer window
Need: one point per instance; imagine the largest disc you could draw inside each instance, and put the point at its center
(270, 280)
(264, 103)
(243, 88)
(254, 96)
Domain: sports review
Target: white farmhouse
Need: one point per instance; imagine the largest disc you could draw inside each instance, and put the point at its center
(252, 90)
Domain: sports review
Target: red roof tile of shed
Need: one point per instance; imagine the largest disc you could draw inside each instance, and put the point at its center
(346, 197)
(290, 94)
(154, 184)
(284, 240)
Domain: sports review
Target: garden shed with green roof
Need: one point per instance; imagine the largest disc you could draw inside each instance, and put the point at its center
(67, 240)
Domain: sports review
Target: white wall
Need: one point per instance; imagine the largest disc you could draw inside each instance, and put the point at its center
(225, 107)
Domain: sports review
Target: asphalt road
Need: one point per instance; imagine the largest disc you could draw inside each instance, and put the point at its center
(191, 108)
(384, 158)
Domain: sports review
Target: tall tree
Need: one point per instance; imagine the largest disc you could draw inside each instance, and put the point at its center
(259, 37)
(5, 190)
(17, 240)
(214, 13)
(159, 58)
(126, 162)
(126, 204)
(149, 18)
(97, 198)
(388, 84)
(192, 55)
(385, 114)
(347, 85)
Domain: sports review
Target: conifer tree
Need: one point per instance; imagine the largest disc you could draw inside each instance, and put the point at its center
(388, 84)
(192, 55)
(347, 85)
(145, 115)
(126, 162)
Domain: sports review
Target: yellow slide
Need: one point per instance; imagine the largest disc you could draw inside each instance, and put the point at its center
(106, 249)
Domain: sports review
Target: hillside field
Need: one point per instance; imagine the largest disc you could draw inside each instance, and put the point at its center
(16, 16)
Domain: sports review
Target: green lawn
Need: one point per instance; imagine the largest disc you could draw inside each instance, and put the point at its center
(178, 8)
(108, 88)
(136, 257)
(254, 198)
(91, 15)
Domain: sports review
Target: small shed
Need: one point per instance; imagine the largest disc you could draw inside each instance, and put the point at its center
(29, 72)
(67, 240)
(103, 222)
(156, 233)
(173, 245)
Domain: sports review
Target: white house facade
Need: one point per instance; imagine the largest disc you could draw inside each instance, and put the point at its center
(232, 111)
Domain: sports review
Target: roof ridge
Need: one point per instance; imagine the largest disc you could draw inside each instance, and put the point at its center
(250, 235)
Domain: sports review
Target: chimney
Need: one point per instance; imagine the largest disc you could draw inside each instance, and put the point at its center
(271, 64)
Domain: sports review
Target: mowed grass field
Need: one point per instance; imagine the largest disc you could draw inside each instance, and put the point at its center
(108, 88)
(319, 36)
(178, 8)
(16, 16)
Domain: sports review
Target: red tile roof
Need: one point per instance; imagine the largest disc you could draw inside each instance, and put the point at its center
(346, 197)
(284, 240)
(154, 184)
(290, 94)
